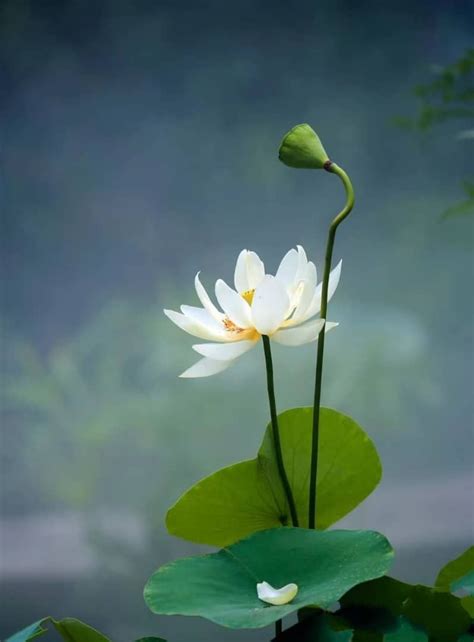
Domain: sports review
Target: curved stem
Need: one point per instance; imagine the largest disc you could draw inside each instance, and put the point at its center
(335, 169)
(276, 431)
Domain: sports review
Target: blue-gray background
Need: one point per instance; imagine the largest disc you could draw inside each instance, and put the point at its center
(140, 145)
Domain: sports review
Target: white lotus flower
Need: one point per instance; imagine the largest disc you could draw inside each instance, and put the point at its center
(276, 597)
(281, 307)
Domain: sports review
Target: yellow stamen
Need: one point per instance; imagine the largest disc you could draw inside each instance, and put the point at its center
(230, 325)
(244, 333)
(248, 296)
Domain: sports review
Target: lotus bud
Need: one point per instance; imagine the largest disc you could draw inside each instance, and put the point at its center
(301, 147)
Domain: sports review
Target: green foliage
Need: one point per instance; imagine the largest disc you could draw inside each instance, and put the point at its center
(387, 593)
(404, 631)
(320, 627)
(108, 389)
(465, 583)
(438, 613)
(327, 627)
(70, 629)
(468, 604)
(458, 575)
(222, 586)
(452, 576)
(29, 632)
(86, 394)
(448, 96)
(465, 206)
(246, 497)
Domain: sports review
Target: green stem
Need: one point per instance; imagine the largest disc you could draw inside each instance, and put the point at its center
(335, 169)
(276, 431)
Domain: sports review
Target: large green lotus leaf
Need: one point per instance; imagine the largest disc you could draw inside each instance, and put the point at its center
(439, 613)
(222, 586)
(241, 499)
(349, 467)
(458, 574)
(70, 629)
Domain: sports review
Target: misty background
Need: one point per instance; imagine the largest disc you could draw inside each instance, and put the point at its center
(139, 145)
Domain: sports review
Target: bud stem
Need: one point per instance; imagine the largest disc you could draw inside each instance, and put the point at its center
(334, 169)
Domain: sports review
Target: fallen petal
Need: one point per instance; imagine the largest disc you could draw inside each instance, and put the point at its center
(274, 596)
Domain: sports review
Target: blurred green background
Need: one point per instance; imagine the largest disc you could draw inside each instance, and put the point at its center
(140, 145)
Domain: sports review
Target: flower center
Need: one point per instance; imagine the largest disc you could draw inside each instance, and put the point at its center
(248, 295)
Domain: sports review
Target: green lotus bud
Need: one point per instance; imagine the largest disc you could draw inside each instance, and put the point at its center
(301, 147)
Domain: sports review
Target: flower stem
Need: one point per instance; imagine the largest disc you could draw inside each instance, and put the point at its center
(335, 169)
(276, 431)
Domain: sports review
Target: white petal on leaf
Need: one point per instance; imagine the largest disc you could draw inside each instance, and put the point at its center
(224, 351)
(206, 299)
(205, 368)
(249, 271)
(270, 305)
(191, 326)
(330, 325)
(235, 306)
(276, 597)
(299, 335)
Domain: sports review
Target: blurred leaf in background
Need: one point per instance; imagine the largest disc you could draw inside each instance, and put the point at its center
(450, 96)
